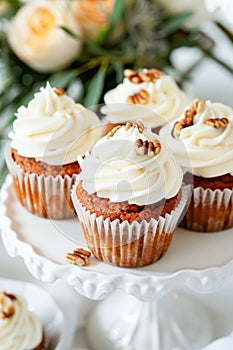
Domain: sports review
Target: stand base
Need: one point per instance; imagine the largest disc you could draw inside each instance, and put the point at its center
(176, 322)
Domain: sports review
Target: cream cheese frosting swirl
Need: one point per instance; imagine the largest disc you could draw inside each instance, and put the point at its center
(119, 170)
(206, 145)
(22, 329)
(53, 128)
(164, 102)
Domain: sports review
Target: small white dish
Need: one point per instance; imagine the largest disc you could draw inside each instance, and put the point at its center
(42, 304)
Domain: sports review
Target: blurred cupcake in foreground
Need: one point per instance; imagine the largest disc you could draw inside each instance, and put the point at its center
(19, 328)
(128, 197)
(47, 136)
(205, 130)
(157, 93)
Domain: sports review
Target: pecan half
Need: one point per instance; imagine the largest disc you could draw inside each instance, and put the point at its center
(79, 257)
(133, 76)
(137, 124)
(217, 122)
(195, 107)
(151, 75)
(7, 308)
(10, 296)
(113, 131)
(127, 126)
(188, 117)
(140, 97)
(7, 311)
(178, 127)
(59, 91)
(150, 148)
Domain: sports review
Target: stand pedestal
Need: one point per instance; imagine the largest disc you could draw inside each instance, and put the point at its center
(175, 322)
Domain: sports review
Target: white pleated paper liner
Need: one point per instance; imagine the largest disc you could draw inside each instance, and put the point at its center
(44, 196)
(128, 244)
(209, 210)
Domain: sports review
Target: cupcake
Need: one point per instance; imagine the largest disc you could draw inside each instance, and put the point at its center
(205, 131)
(19, 328)
(157, 93)
(47, 136)
(128, 197)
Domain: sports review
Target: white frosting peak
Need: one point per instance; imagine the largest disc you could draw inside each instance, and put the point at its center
(166, 102)
(54, 129)
(115, 169)
(22, 330)
(209, 148)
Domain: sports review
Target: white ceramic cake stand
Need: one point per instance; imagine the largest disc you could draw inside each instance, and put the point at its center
(150, 315)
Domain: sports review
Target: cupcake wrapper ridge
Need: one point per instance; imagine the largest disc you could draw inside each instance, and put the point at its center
(44, 196)
(128, 244)
(209, 210)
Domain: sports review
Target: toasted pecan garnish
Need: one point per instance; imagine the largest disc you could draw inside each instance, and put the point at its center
(151, 148)
(178, 126)
(198, 106)
(137, 124)
(217, 122)
(195, 107)
(133, 76)
(127, 126)
(7, 308)
(113, 131)
(79, 257)
(151, 75)
(59, 91)
(188, 117)
(140, 97)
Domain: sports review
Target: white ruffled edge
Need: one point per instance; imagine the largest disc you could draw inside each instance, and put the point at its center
(164, 224)
(52, 191)
(200, 195)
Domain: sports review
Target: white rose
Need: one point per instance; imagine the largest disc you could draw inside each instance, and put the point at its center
(197, 6)
(37, 39)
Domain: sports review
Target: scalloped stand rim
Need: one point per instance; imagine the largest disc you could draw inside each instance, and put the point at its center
(179, 266)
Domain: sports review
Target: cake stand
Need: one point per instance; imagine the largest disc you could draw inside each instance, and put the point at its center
(152, 314)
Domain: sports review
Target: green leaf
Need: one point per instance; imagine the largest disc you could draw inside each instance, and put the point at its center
(119, 71)
(95, 88)
(14, 3)
(113, 20)
(117, 13)
(3, 168)
(3, 173)
(94, 47)
(210, 54)
(7, 13)
(74, 35)
(176, 22)
(225, 30)
(102, 35)
(62, 79)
